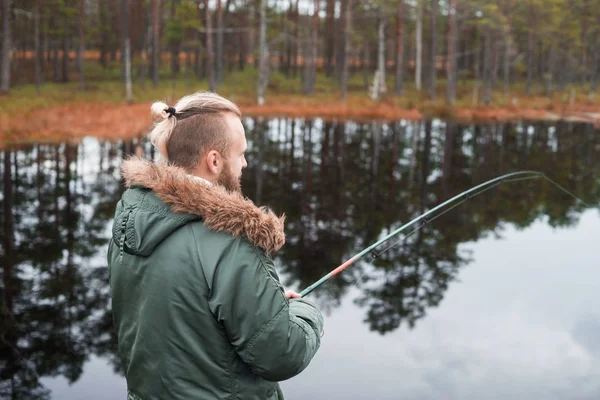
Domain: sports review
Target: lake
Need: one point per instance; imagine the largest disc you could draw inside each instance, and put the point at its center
(496, 299)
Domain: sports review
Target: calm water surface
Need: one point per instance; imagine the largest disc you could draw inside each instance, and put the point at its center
(497, 299)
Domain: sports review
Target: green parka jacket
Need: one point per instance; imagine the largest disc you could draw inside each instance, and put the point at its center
(197, 305)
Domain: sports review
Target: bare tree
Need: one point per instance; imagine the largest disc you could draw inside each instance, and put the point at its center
(507, 50)
(102, 20)
(486, 96)
(175, 43)
(584, 41)
(155, 42)
(451, 66)
(126, 48)
(346, 51)
(36, 29)
(530, 50)
(220, 28)
(210, 56)
(419, 56)
(263, 54)
(81, 45)
(330, 36)
(399, 48)
(379, 86)
(433, 62)
(65, 42)
(310, 62)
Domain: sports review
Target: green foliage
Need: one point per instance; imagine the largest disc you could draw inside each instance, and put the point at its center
(183, 27)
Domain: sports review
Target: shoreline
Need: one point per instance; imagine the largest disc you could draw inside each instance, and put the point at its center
(113, 121)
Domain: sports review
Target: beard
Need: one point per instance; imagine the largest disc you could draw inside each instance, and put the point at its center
(228, 181)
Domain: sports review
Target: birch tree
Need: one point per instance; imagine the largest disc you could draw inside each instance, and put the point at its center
(310, 60)
(263, 55)
(399, 48)
(379, 85)
(451, 65)
(126, 48)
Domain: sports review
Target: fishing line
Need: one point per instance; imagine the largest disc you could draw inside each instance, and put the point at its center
(425, 219)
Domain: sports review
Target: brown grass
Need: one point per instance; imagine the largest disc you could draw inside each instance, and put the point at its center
(113, 121)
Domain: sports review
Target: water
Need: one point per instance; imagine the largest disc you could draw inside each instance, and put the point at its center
(496, 299)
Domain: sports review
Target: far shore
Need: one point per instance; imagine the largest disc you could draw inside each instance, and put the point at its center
(110, 120)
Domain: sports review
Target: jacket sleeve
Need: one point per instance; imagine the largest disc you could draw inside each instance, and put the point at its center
(276, 337)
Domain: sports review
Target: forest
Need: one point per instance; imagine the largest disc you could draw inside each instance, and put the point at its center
(470, 52)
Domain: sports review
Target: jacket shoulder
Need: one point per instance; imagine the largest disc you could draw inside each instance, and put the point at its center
(228, 253)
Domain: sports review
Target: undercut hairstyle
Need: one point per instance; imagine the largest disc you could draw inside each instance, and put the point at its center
(193, 127)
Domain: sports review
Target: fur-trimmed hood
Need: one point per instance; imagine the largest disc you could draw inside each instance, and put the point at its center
(219, 209)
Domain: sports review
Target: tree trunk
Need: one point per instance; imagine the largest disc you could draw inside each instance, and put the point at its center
(65, 59)
(282, 29)
(451, 66)
(210, 56)
(530, 51)
(310, 61)
(487, 68)
(263, 54)
(329, 37)
(297, 34)
(346, 51)
(399, 48)
(507, 46)
(288, 40)
(155, 42)
(495, 60)
(220, 27)
(103, 32)
(379, 84)
(36, 29)
(56, 64)
(593, 75)
(243, 38)
(81, 46)
(419, 55)
(46, 53)
(584, 38)
(433, 62)
(594, 66)
(340, 49)
(476, 65)
(549, 77)
(114, 22)
(175, 45)
(6, 45)
(126, 48)
(562, 68)
(145, 47)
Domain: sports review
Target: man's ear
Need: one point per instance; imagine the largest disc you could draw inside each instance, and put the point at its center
(213, 161)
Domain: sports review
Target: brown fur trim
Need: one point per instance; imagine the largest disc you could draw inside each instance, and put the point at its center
(220, 210)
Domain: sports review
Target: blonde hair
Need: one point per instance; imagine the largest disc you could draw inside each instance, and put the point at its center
(192, 127)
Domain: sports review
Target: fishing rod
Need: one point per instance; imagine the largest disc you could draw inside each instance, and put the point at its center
(425, 218)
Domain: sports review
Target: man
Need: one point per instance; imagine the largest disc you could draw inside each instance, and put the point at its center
(198, 307)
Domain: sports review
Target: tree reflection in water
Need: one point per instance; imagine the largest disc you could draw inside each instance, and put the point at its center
(342, 186)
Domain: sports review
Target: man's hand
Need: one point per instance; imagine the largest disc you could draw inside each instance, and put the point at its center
(290, 294)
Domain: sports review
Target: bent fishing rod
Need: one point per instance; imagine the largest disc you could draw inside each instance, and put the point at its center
(429, 216)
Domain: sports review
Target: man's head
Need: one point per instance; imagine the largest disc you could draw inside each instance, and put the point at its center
(203, 134)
